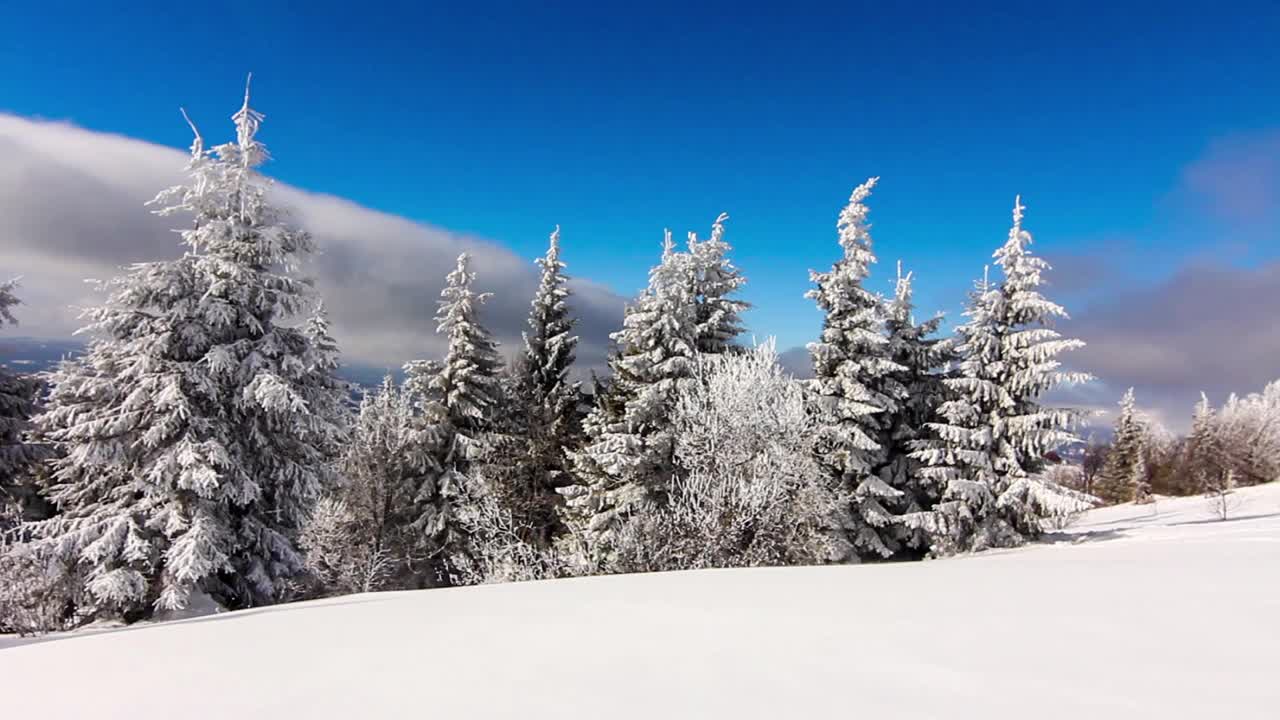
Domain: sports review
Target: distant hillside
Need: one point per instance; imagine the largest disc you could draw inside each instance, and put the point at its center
(36, 354)
(28, 354)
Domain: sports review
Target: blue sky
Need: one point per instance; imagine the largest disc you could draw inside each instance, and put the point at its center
(616, 121)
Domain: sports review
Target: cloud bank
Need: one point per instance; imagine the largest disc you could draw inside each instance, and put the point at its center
(72, 207)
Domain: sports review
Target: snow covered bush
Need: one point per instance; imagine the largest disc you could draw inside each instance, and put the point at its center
(505, 548)
(343, 551)
(749, 491)
(1248, 430)
(39, 591)
(363, 537)
(1071, 477)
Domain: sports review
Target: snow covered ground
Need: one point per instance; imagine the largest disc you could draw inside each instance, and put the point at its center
(1130, 614)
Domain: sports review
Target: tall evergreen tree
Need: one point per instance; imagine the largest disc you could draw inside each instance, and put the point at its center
(628, 462)
(855, 379)
(467, 384)
(19, 396)
(923, 359)
(529, 463)
(197, 427)
(715, 279)
(1123, 476)
(458, 399)
(989, 445)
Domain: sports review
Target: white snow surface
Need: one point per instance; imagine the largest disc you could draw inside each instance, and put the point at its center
(1135, 612)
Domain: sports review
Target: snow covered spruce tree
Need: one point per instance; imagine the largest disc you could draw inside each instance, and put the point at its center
(1123, 477)
(923, 360)
(628, 464)
(197, 427)
(859, 385)
(19, 395)
(988, 447)
(528, 461)
(457, 400)
(1202, 456)
(715, 279)
(361, 536)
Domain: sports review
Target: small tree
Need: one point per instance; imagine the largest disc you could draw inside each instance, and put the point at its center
(1093, 458)
(1220, 492)
(1202, 458)
(362, 537)
(342, 552)
(1124, 476)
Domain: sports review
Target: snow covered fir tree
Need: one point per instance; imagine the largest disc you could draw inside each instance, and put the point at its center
(457, 398)
(627, 464)
(1124, 475)
(1203, 451)
(988, 448)
(715, 279)
(526, 463)
(860, 385)
(923, 359)
(200, 425)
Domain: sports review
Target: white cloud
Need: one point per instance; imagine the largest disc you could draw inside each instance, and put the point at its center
(72, 207)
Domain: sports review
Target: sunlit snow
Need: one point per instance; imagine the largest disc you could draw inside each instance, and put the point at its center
(1136, 612)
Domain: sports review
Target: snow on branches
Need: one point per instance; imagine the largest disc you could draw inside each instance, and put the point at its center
(200, 425)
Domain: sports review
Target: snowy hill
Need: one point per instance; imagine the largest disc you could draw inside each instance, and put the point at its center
(1130, 614)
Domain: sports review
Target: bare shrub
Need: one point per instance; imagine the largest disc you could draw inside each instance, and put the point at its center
(1220, 493)
(505, 549)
